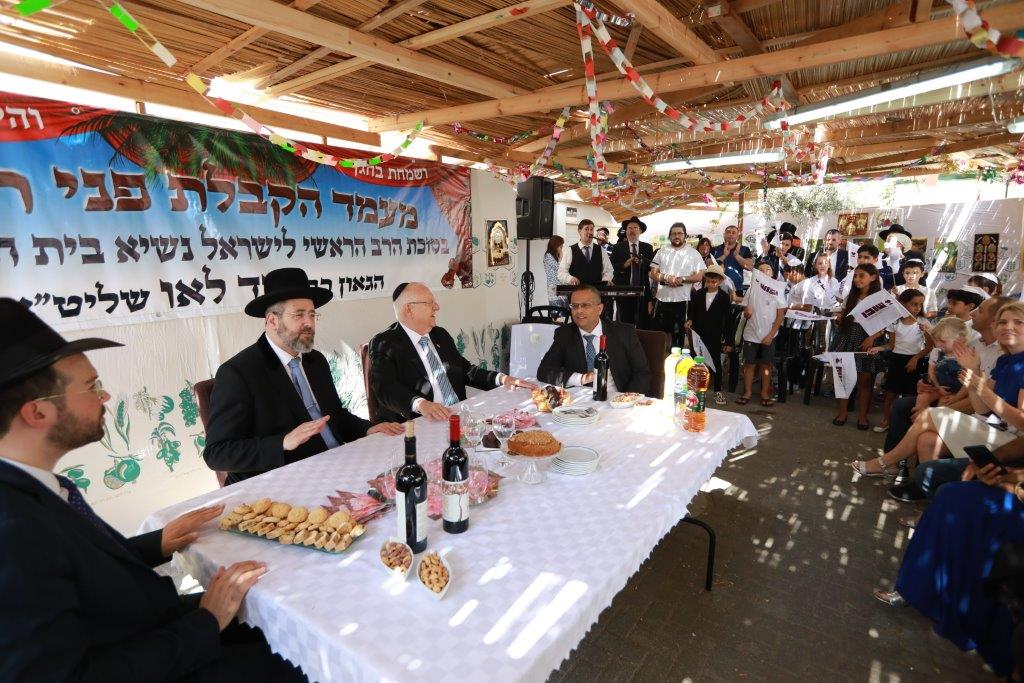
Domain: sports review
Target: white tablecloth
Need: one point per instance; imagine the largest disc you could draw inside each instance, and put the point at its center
(529, 342)
(530, 577)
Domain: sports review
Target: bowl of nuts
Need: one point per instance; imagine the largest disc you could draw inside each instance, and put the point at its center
(435, 575)
(396, 557)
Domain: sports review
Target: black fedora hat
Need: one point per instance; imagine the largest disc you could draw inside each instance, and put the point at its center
(284, 284)
(634, 219)
(894, 229)
(28, 345)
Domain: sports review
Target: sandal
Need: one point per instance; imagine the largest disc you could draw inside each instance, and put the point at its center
(743, 400)
(861, 468)
(891, 598)
(767, 402)
(863, 426)
(837, 422)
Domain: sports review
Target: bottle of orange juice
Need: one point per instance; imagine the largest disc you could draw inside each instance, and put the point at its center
(697, 388)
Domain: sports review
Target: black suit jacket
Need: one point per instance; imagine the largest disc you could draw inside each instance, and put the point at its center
(626, 359)
(81, 605)
(620, 252)
(842, 261)
(255, 404)
(398, 377)
(711, 323)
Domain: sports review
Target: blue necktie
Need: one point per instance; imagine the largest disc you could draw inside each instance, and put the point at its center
(437, 370)
(299, 379)
(586, 252)
(78, 504)
(591, 351)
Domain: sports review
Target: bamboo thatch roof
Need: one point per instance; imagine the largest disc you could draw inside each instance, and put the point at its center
(501, 71)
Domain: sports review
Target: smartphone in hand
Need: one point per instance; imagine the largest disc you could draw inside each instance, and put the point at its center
(981, 456)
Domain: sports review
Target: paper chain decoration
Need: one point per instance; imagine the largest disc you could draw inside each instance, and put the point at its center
(598, 121)
(29, 7)
(772, 100)
(983, 35)
(509, 140)
(519, 174)
(624, 22)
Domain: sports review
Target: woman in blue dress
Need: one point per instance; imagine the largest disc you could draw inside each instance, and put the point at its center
(956, 541)
(551, 258)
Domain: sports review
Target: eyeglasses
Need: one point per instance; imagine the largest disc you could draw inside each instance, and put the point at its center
(96, 388)
(580, 307)
(311, 315)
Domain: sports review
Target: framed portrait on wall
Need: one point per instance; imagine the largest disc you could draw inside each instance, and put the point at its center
(986, 253)
(497, 244)
(852, 224)
(920, 245)
(945, 256)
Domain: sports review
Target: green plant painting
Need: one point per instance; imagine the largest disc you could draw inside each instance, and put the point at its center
(76, 473)
(188, 405)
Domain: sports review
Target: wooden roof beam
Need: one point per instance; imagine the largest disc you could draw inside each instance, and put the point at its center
(936, 32)
(183, 98)
(396, 10)
(966, 146)
(893, 16)
(921, 10)
(529, 8)
(240, 42)
(677, 35)
(280, 19)
(733, 24)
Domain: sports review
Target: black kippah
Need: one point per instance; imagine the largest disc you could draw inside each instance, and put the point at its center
(398, 291)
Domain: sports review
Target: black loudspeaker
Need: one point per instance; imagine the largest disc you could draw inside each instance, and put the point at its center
(535, 208)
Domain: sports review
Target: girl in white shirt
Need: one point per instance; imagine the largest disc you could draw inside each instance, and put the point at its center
(908, 344)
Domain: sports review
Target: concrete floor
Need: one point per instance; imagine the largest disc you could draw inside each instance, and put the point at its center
(801, 545)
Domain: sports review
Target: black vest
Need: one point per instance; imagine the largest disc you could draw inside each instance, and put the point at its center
(589, 273)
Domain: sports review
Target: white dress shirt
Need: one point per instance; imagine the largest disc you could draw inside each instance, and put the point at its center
(415, 337)
(576, 378)
(681, 262)
(45, 477)
(606, 264)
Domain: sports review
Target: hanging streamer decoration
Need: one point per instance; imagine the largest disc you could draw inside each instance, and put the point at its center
(598, 133)
(983, 35)
(773, 100)
(624, 22)
(509, 140)
(136, 28)
(518, 174)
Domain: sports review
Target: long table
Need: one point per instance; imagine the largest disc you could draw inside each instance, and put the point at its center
(530, 577)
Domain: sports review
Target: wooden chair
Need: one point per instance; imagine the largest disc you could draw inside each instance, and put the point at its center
(203, 391)
(371, 400)
(654, 343)
(547, 314)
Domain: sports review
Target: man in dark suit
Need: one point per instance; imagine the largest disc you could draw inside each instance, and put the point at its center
(631, 260)
(570, 360)
(274, 403)
(415, 367)
(81, 601)
(837, 258)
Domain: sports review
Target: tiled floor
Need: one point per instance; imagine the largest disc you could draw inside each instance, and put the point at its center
(800, 548)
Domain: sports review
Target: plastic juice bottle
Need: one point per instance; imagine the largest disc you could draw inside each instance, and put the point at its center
(669, 389)
(683, 366)
(697, 389)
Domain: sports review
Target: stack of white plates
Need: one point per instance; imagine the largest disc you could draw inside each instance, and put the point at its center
(575, 460)
(574, 415)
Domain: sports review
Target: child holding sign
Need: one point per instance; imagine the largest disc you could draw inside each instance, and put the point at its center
(851, 338)
(765, 308)
(907, 346)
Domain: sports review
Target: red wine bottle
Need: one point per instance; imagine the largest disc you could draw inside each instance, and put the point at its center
(454, 481)
(601, 372)
(411, 496)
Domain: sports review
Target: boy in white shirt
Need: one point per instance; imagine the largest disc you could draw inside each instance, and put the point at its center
(913, 271)
(764, 311)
